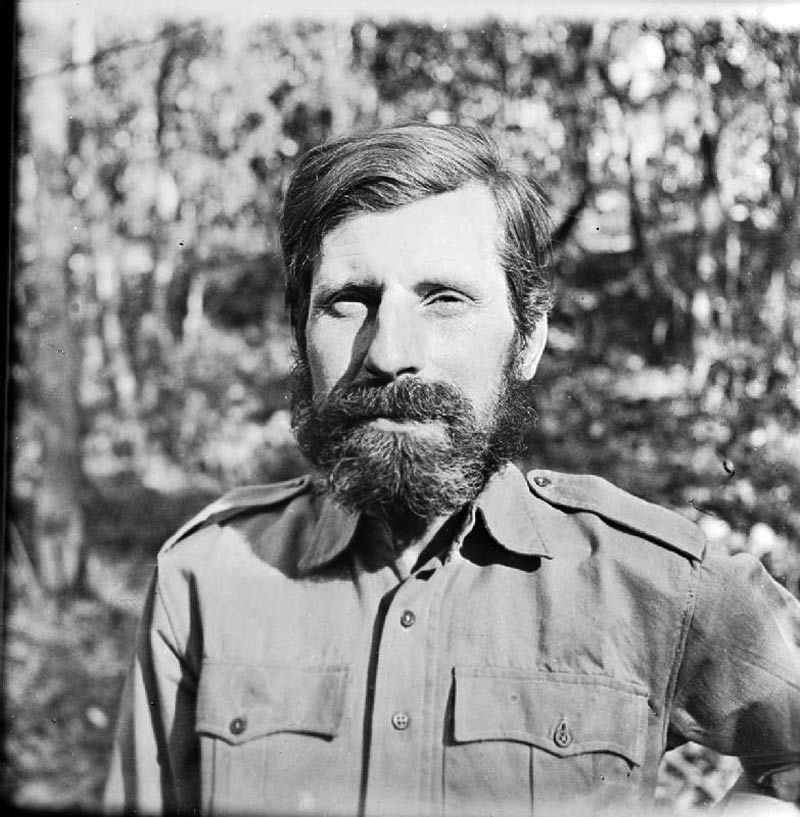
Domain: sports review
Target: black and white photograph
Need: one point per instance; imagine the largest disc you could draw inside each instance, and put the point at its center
(403, 409)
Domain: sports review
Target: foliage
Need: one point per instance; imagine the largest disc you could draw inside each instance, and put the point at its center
(670, 152)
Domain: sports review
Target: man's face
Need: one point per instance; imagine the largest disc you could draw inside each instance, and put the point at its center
(412, 306)
(416, 291)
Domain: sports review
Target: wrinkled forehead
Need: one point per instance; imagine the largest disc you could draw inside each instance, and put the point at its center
(461, 226)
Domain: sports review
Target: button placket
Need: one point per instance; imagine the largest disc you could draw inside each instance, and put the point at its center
(398, 715)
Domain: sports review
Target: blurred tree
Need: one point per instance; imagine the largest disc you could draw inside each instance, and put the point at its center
(51, 351)
(155, 349)
(669, 151)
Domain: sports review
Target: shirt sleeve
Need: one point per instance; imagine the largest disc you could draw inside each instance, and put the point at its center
(738, 687)
(155, 763)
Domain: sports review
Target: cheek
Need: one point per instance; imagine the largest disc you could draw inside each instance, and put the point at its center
(328, 357)
(480, 366)
(491, 346)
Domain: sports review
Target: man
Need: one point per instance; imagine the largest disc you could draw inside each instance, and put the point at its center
(419, 628)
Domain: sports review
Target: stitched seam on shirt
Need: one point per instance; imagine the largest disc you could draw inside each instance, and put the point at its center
(534, 524)
(169, 613)
(657, 535)
(577, 501)
(310, 668)
(689, 608)
(538, 675)
(758, 661)
(431, 786)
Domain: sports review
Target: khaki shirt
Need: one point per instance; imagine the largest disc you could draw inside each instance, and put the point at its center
(570, 635)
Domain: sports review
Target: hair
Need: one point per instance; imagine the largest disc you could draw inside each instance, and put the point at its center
(381, 170)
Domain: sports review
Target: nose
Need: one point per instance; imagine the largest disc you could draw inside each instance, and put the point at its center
(395, 345)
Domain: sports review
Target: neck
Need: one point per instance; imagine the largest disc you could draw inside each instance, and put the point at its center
(409, 536)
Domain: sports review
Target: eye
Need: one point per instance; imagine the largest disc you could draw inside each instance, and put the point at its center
(349, 303)
(447, 302)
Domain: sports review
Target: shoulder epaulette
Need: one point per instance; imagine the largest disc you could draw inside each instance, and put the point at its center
(238, 501)
(582, 492)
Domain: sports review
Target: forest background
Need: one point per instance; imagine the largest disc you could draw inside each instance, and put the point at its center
(151, 349)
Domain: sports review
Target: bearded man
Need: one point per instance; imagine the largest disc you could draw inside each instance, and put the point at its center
(418, 628)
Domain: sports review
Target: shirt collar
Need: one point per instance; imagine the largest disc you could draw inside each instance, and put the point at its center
(329, 535)
(505, 507)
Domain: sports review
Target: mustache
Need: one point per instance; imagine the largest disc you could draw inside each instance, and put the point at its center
(364, 468)
(409, 399)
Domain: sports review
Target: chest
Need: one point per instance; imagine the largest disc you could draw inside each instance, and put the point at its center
(463, 685)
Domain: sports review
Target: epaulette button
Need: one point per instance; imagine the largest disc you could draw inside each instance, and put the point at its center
(542, 482)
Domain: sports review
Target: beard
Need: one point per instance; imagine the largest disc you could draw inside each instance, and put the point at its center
(392, 473)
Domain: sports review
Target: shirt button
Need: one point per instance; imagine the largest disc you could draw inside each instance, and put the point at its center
(400, 720)
(562, 736)
(542, 482)
(408, 618)
(238, 725)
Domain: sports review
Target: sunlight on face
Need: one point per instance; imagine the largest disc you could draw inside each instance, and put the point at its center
(416, 291)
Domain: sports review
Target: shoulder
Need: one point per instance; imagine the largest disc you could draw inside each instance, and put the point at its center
(270, 498)
(246, 535)
(583, 493)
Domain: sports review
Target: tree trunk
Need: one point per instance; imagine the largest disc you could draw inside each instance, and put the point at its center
(708, 221)
(55, 359)
(54, 352)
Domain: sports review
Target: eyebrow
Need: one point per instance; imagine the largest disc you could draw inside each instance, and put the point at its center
(323, 292)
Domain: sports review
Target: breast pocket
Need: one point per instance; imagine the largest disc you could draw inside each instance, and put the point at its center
(267, 736)
(542, 743)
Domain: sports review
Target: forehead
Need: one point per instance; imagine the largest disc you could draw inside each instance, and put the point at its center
(459, 229)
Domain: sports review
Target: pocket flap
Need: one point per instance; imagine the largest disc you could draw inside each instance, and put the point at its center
(238, 702)
(562, 713)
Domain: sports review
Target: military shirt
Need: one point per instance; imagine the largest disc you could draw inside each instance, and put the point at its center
(543, 662)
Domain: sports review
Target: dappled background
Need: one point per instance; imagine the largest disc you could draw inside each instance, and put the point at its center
(152, 349)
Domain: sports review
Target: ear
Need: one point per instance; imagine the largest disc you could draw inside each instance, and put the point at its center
(532, 351)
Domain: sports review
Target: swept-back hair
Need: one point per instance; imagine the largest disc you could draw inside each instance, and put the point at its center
(384, 169)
